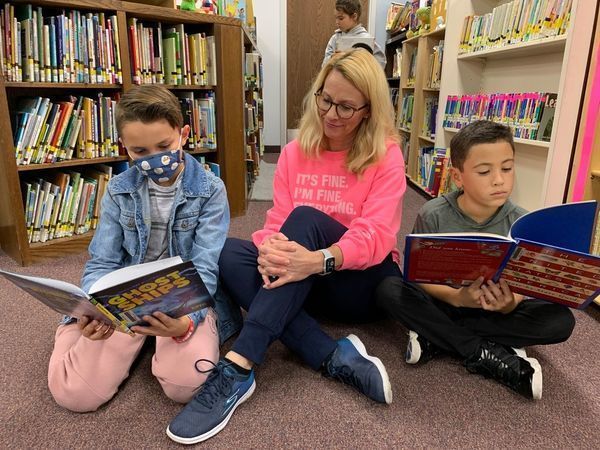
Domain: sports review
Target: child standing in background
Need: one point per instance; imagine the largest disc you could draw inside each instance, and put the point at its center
(347, 16)
(166, 205)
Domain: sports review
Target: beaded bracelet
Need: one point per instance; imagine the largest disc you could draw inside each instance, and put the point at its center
(185, 336)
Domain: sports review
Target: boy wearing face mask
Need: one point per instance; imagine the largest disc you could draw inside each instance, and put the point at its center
(165, 205)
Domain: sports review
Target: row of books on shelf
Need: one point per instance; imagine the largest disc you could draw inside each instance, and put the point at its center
(253, 73)
(71, 47)
(434, 70)
(78, 127)
(66, 204)
(397, 63)
(394, 92)
(430, 109)
(171, 56)
(254, 113)
(411, 77)
(84, 127)
(209, 165)
(515, 21)
(405, 114)
(530, 115)
(199, 113)
(433, 173)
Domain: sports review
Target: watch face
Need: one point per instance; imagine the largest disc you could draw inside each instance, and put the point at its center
(329, 264)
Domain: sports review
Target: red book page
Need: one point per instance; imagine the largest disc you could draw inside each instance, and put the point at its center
(557, 275)
(453, 261)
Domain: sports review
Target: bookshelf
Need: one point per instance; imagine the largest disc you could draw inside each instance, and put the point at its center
(253, 107)
(416, 97)
(229, 105)
(553, 64)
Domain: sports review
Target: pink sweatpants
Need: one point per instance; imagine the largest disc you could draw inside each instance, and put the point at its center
(84, 374)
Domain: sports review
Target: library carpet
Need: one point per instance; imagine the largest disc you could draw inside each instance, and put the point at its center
(436, 405)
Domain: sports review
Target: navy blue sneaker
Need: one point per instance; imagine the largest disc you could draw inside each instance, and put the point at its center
(351, 364)
(212, 407)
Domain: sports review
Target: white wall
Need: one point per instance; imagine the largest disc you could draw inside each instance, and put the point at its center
(268, 15)
(380, 8)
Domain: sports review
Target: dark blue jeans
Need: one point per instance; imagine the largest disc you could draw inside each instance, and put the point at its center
(281, 313)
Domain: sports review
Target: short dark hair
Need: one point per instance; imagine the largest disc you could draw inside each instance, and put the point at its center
(367, 47)
(349, 7)
(148, 103)
(478, 132)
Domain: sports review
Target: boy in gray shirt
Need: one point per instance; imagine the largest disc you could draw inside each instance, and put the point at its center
(484, 324)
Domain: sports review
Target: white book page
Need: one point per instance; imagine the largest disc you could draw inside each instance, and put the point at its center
(132, 272)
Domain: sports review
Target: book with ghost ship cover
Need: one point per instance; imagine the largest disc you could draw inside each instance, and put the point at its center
(545, 256)
(123, 297)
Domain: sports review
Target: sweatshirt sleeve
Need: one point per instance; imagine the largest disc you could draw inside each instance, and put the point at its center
(372, 235)
(330, 50)
(283, 203)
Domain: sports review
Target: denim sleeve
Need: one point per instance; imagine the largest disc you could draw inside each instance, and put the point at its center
(106, 249)
(211, 232)
(210, 235)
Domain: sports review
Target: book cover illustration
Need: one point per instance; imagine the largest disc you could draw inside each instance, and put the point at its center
(125, 296)
(175, 291)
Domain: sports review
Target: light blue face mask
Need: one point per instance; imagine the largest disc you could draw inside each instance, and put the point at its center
(160, 167)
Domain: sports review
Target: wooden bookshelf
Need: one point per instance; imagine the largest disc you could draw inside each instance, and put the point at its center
(555, 64)
(421, 47)
(253, 92)
(229, 98)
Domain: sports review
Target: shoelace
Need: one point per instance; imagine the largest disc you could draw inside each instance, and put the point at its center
(346, 375)
(506, 371)
(217, 383)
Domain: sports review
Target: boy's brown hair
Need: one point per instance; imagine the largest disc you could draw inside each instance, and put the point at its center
(148, 103)
(478, 132)
(349, 7)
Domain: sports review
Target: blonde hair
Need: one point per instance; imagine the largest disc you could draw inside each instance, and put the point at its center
(361, 69)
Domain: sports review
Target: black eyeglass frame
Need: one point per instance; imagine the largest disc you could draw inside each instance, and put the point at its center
(337, 111)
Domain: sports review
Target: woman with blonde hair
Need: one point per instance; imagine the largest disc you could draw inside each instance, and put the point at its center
(327, 242)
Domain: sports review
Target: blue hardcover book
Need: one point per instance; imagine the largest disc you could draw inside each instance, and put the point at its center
(545, 256)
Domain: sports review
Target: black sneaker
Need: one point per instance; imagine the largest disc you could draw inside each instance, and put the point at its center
(523, 375)
(419, 349)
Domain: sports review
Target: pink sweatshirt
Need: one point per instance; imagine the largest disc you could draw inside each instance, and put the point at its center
(369, 206)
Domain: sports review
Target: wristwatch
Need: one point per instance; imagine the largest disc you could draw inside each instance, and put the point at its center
(328, 262)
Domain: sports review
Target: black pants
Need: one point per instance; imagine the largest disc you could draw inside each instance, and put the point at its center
(462, 330)
(283, 313)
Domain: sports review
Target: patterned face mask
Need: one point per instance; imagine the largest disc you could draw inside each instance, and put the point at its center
(160, 167)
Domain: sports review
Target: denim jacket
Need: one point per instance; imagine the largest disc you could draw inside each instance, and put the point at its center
(197, 229)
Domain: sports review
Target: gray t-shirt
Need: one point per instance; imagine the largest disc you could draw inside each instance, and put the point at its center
(161, 205)
(443, 215)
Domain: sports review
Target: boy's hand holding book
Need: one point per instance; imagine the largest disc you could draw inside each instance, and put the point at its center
(498, 297)
(94, 329)
(159, 324)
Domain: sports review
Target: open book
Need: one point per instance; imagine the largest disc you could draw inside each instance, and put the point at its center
(124, 296)
(545, 256)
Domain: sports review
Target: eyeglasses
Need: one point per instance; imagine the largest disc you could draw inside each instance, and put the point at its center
(343, 111)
